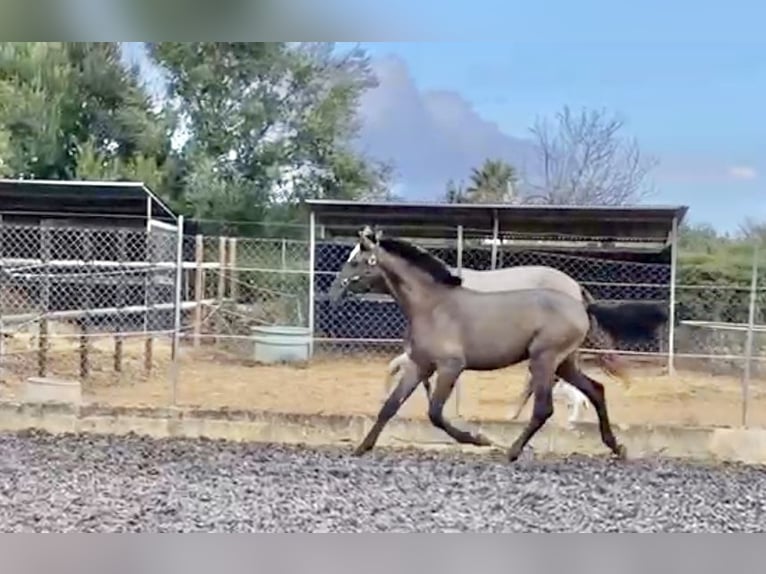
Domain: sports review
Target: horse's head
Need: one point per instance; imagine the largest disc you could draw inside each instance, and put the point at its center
(359, 273)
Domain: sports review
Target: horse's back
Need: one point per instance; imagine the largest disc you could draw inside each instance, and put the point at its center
(523, 277)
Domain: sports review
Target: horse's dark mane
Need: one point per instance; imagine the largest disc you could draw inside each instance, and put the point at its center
(421, 259)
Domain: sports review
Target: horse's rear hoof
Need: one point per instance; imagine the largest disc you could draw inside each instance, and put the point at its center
(622, 452)
(482, 440)
(360, 450)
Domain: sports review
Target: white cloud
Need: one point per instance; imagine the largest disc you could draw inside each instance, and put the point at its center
(743, 172)
(430, 136)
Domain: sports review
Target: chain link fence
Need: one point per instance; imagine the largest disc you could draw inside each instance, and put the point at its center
(111, 308)
(88, 303)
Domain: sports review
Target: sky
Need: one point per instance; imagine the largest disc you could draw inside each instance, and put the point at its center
(689, 81)
(696, 108)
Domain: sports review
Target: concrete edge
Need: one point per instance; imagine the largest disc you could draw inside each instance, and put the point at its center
(710, 444)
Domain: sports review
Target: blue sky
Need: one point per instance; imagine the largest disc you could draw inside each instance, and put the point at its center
(697, 107)
(689, 79)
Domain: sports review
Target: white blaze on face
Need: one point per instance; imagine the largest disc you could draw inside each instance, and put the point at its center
(354, 252)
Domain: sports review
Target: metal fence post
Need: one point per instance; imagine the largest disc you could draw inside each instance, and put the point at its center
(312, 280)
(750, 329)
(177, 295)
(495, 238)
(672, 302)
(2, 298)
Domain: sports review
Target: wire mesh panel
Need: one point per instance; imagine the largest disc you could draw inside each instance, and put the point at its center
(379, 319)
(85, 302)
(96, 304)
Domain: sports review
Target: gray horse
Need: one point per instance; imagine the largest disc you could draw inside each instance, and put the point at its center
(354, 278)
(452, 329)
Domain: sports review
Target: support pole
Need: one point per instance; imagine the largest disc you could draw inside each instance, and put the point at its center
(495, 237)
(199, 286)
(45, 300)
(672, 310)
(177, 309)
(221, 292)
(232, 270)
(118, 337)
(2, 300)
(86, 302)
(312, 273)
(749, 341)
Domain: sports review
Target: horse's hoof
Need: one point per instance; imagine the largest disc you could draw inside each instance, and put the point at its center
(622, 452)
(360, 450)
(482, 440)
(513, 455)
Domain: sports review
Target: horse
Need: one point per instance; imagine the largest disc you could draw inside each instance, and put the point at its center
(574, 398)
(453, 329)
(354, 278)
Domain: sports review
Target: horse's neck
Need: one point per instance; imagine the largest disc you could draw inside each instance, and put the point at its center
(410, 287)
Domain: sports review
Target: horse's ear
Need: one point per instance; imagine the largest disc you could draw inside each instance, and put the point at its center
(366, 242)
(366, 231)
(378, 234)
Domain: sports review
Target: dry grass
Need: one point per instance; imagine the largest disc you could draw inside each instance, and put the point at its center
(211, 378)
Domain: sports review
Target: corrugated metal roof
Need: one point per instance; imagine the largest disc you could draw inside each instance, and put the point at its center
(624, 223)
(76, 197)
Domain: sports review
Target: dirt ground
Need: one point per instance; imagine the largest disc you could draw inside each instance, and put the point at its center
(354, 384)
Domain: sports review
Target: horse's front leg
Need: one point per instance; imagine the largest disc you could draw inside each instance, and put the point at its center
(447, 373)
(411, 376)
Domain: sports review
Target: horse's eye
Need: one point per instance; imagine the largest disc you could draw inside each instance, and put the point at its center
(372, 261)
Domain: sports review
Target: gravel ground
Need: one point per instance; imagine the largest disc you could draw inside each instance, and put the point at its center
(120, 484)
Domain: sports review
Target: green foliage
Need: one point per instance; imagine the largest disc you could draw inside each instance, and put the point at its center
(493, 182)
(247, 130)
(267, 125)
(715, 273)
(73, 110)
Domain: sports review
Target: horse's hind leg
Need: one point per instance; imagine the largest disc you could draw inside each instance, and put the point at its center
(594, 391)
(411, 376)
(523, 398)
(395, 372)
(541, 367)
(447, 373)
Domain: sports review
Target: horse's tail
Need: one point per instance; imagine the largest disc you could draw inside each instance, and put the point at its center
(615, 366)
(629, 321)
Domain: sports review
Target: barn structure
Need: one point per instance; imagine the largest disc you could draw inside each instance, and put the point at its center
(102, 255)
(618, 253)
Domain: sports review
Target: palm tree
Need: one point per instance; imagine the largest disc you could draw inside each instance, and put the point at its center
(455, 193)
(493, 182)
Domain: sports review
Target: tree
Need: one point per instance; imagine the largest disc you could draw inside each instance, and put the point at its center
(73, 110)
(584, 160)
(266, 125)
(493, 182)
(455, 192)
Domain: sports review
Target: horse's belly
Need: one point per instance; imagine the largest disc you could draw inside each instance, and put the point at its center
(488, 361)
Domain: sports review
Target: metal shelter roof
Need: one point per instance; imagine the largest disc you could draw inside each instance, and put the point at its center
(72, 198)
(625, 224)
